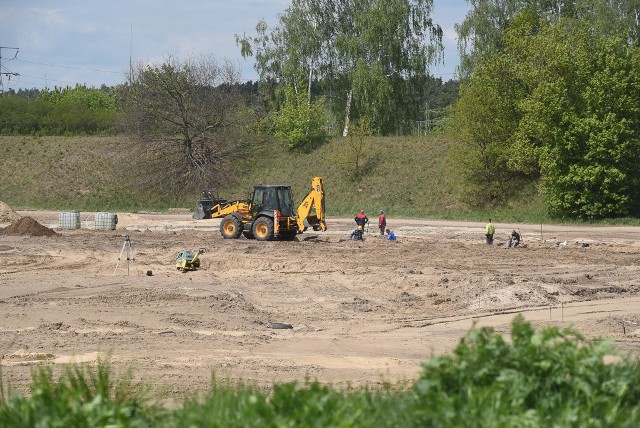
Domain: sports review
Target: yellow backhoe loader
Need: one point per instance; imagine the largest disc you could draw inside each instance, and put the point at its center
(270, 213)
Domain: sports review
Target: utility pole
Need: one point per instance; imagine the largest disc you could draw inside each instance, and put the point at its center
(130, 56)
(2, 69)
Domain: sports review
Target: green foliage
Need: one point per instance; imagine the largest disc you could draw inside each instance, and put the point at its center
(92, 99)
(300, 124)
(355, 154)
(551, 377)
(378, 51)
(60, 111)
(545, 377)
(290, 405)
(484, 120)
(581, 117)
(557, 102)
(81, 397)
(482, 32)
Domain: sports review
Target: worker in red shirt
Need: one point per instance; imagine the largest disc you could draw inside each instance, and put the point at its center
(382, 222)
(361, 219)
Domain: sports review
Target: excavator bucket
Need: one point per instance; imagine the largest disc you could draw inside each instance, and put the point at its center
(199, 214)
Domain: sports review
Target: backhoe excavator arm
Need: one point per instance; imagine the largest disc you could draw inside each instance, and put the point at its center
(314, 199)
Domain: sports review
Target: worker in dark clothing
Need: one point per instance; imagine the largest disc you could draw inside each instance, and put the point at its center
(514, 239)
(361, 219)
(357, 234)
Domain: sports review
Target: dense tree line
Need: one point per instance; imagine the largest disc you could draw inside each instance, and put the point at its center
(483, 31)
(553, 98)
(87, 111)
(58, 111)
(78, 110)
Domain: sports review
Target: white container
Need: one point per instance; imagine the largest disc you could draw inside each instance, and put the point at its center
(70, 220)
(106, 221)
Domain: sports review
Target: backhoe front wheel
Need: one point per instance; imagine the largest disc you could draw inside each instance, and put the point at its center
(263, 229)
(230, 227)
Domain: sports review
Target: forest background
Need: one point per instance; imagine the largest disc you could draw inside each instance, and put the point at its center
(541, 123)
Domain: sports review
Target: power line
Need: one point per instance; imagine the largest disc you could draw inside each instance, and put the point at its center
(21, 82)
(70, 67)
(42, 85)
(49, 79)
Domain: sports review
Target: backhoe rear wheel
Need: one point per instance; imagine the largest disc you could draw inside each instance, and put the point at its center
(230, 227)
(263, 229)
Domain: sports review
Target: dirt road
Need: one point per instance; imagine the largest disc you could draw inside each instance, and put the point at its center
(361, 312)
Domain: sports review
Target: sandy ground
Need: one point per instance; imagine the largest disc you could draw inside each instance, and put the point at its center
(362, 312)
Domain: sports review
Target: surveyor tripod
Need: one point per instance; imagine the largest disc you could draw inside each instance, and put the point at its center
(125, 246)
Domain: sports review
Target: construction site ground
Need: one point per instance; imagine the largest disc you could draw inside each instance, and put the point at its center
(361, 312)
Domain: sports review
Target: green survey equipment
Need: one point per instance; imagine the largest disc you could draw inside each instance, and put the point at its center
(188, 260)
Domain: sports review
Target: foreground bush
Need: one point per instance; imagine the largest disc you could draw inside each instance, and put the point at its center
(550, 377)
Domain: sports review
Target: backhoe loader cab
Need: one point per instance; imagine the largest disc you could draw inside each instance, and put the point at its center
(272, 214)
(272, 198)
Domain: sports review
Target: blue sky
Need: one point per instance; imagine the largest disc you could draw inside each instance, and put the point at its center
(64, 42)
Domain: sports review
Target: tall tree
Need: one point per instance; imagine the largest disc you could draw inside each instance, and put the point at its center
(485, 118)
(581, 117)
(374, 54)
(481, 33)
(559, 102)
(188, 117)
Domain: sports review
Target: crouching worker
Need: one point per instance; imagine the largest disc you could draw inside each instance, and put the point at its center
(514, 239)
(356, 235)
(390, 235)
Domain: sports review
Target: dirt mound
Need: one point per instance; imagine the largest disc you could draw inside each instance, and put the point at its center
(27, 226)
(8, 215)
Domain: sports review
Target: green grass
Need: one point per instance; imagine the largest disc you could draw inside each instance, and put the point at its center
(65, 173)
(407, 177)
(537, 378)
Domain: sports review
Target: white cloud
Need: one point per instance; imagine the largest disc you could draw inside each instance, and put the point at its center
(51, 17)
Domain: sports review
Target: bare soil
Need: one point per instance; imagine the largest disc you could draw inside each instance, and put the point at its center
(361, 312)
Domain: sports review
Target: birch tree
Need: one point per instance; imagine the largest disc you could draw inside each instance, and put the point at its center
(372, 57)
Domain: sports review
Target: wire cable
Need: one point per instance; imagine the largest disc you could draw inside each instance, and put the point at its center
(69, 67)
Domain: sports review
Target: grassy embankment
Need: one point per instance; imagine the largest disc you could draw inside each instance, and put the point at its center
(405, 176)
